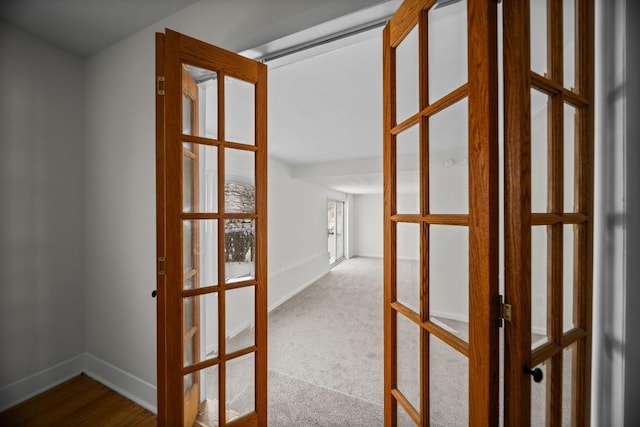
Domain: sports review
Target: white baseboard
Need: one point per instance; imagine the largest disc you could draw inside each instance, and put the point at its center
(21, 390)
(296, 291)
(296, 278)
(130, 386)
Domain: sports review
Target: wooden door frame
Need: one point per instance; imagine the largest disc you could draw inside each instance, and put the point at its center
(482, 221)
(160, 231)
(175, 48)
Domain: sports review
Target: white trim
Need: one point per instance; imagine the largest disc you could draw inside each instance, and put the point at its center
(241, 327)
(450, 316)
(130, 386)
(301, 267)
(29, 386)
(341, 31)
(296, 291)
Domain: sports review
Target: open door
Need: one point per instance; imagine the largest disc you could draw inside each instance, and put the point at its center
(549, 75)
(211, 189)
(441, 324)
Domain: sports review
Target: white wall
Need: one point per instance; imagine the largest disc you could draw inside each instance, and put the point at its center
(41, 213)
(40, 308)
(297, 232)
(632, 281)
(617, 217)
(120, 170)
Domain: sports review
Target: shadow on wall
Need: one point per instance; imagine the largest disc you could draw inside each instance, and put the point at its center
(609, 234)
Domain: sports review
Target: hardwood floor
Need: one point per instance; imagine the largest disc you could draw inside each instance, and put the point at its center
(81, 401)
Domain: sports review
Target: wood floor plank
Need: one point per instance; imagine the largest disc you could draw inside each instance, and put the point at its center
(81, 401)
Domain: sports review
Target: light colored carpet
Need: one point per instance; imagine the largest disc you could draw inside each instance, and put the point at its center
(327, 340)
(326, 358)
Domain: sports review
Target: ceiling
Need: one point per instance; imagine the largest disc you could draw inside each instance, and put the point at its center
(325, 110)
(325, 103)
(85, 27)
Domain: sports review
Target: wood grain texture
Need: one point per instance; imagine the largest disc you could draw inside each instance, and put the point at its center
(583, 269)
(389, 185)
(261, 174)
(483, 213)
(517, 211)
(160, 230)
(80, 401)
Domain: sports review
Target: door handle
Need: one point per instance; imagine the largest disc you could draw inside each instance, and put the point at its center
(537, 374)
(154, 293)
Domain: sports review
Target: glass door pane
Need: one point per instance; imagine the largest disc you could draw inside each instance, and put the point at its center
(331, 231)
(339, 230)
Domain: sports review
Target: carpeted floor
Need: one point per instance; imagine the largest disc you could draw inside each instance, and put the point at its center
(325, 350)
(326, 358)
(327, 342)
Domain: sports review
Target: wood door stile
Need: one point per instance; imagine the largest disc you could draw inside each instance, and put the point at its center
(160, 230)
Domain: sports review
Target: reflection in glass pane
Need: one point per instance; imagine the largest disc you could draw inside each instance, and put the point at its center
(408, 170)
(407, 77)
(539, 36)
(200, 253)
(331, 230)
(569, 156)
(569, 42)
(239, 250)
(239, 184)
(404, 420)
(240, 386)
(340, 230)
(189, 245)
(187, 111)
(240, 318)
(567, 384)
(538, 286)
(239, 113)
(188, 182)
(567, 277)
(447, 49)
(207, 103)
(201, 398)
(199, 178)
(200, 328)
(408, 262)
(449, 275)
(539, 144)
(448, 384)
(408, 360)
(539, 399)
(448, 166)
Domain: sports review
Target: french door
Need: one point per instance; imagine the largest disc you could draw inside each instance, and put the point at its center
(211, 181)
(549, 74)
(443, 311)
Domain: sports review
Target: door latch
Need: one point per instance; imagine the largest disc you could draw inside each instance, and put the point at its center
(505, 312)
(161, 265)
(160, 86)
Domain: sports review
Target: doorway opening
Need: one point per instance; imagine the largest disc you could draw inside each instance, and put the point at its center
(335, 231)
(431, 205)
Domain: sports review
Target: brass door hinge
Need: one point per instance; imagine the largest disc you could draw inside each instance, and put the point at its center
(505, 312)
(161, 265)
(160, 85)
